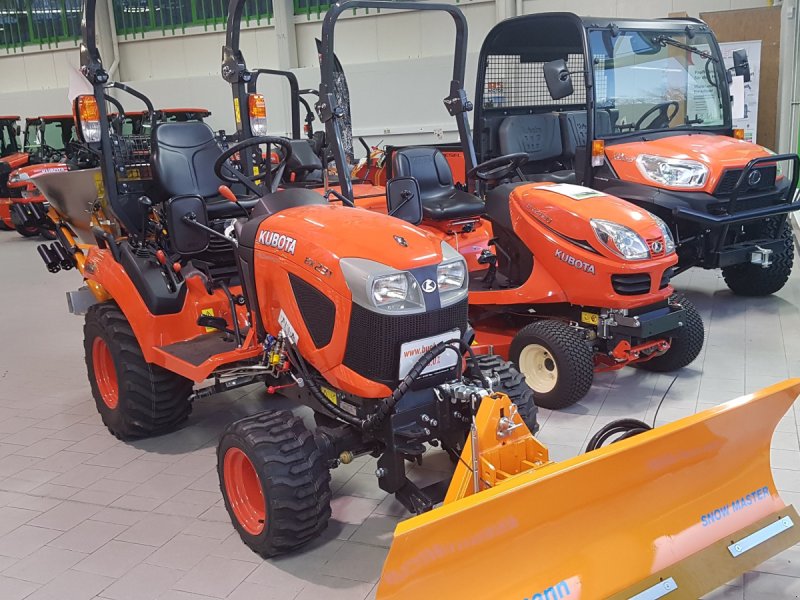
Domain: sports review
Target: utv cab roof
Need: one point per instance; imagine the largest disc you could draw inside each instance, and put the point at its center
(9, 118)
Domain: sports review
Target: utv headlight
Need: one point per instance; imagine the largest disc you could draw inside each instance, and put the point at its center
(451, 276)
(669, 243)
(674, 172)
(381, 288)
(621, 240)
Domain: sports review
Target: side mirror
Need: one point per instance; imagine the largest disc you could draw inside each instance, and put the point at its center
(187, 221)
(741, 65)
(558, 79)
(403, 199)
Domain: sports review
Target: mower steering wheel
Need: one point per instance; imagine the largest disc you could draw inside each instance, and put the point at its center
(497, 168)
(228, 173)
(663, 119)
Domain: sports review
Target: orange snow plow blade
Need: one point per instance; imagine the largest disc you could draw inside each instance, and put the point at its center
(670, 513)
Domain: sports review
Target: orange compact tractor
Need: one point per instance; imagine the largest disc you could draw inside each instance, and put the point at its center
(564, 280)
(641, 110)
(10, 158)
(370, 331)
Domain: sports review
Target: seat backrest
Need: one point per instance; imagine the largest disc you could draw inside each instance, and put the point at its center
(539, 136)
(183, 160)
(573, 129)
(428, 166)
(303, 159)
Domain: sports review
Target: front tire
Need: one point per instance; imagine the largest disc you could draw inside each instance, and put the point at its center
(753, 280)
(512, 383)
(135, 399)
(685, 346)
(274, 481)
(556, 360)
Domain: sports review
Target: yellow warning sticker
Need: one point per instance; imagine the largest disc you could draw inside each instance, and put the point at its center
(209, 312)
(237, 111)
(590, 318)
(330, 395)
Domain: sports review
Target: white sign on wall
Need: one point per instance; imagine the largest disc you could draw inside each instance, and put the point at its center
(745, 113)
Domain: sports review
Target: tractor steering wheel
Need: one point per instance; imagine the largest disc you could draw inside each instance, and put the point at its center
(271, 176)
(497, 168)
(662, 119)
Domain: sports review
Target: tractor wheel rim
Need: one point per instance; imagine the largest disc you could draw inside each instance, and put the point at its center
(539, 367)
(244, 491)
(105, 373)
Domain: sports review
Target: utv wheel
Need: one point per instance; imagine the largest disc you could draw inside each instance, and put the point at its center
(512, 383)
(754, 280)
(557, 362)
(135, 399)
(274, 481)
(685, 346)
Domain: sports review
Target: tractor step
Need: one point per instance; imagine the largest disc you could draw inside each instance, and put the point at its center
(198, 350)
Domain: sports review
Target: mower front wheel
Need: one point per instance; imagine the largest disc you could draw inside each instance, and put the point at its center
(749, 279)
(556, 360)
(135, 399)
(685, 346)
(274, 481)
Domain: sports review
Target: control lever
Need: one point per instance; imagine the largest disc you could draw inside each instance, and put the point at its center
(487, 257)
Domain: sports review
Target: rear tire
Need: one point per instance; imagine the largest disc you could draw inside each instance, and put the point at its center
(274, 481)
(135, 399)
(512, 384)
(685, 346)
(753, 280)
(557, 362)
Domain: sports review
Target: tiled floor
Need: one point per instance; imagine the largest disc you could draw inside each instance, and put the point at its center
(84, 516)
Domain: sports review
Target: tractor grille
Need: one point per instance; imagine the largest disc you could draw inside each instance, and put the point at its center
(317, 310)
(730, 177)
(631, 285)
(374, 339)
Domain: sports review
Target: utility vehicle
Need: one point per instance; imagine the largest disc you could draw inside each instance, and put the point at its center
(564, 280)
(641, 110)
(349, 326)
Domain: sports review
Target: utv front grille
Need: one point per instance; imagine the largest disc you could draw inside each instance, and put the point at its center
(766, 181)
(374, 339)
(631, 285)
(317, 310)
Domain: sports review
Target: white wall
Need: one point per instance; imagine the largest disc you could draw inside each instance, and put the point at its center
(398, 65)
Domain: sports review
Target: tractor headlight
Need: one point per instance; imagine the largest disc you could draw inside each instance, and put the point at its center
(674, 172)
(669, 243)
(621, 240)
(451, 276)
(379, 287)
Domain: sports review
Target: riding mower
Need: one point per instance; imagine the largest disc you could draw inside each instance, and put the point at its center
(383, 359)
(564, 280)
(588, 102)
(10, 158)
(46, 141)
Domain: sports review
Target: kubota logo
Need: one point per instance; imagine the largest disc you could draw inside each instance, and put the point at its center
(279, 241)
(575, 262)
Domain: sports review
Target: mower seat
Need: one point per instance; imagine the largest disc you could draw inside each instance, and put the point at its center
(441, 200)
(538, 136)
(183, 164)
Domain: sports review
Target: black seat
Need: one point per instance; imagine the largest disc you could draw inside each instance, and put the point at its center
(441, 200)
(538, 136)
(573, 129)
(304, 163)
(183, 164)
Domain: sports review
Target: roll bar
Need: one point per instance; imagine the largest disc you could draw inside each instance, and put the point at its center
(330, 112)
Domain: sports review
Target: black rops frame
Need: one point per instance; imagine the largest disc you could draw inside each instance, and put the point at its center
(330, 112)
(92, 68)
(584, 26)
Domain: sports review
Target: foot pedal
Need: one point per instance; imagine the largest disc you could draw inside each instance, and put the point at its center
(212, 322)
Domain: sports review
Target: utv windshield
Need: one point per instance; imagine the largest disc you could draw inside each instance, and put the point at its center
(648, 80)
(7, 143)
(55, 134)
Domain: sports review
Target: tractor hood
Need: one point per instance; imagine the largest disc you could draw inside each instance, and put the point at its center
(22, 176)
(718, 153)
(568, 211)
(319, 236)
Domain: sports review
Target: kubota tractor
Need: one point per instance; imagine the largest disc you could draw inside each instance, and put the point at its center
(350, 326)
(564, 280)
(641, 110)
(10, 158)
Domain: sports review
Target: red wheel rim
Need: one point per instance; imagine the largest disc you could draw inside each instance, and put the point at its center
(244, 492)
(105, 373)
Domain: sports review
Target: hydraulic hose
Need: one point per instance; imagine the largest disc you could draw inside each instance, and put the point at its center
(626, 427)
